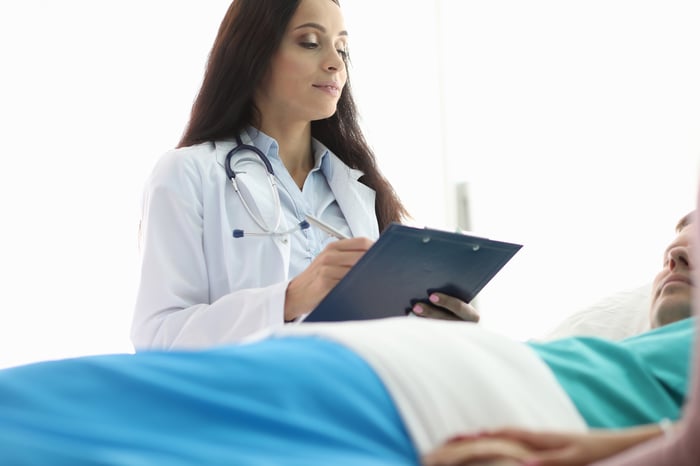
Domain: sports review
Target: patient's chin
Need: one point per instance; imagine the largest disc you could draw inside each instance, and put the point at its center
(668, 313)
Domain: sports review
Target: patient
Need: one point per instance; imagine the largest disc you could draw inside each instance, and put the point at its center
(670, 302)
(387, 391)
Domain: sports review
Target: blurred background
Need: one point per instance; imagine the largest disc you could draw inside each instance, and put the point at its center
(571, 127)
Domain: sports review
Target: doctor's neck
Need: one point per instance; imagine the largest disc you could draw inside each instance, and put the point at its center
(294, 142)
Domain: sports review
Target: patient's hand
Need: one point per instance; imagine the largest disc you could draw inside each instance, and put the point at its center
(446, 307)
(540, 448)
(478, 451)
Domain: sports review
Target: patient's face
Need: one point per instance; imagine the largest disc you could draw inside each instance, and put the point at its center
(673, 288)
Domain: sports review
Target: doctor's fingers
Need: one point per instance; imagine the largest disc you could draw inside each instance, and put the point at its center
(338, 257)
(330, 267)
(431, 312)
(350, 244)
(443, 306)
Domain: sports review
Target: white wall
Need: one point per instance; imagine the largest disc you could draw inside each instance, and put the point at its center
(576, 126)
(91, 93)
(574, 123)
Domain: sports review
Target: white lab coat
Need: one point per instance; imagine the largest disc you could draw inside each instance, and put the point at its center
(201, 287)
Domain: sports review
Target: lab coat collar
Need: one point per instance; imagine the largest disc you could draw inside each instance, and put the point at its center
(355, 199)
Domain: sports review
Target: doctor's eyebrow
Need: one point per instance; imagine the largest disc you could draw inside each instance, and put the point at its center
(319, 27)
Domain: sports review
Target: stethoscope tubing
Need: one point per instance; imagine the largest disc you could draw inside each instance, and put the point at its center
(272, 182)
(241, 147)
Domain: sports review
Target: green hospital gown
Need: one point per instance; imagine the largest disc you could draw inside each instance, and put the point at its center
(611, 382)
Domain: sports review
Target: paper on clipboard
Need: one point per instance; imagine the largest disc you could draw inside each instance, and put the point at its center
(405, 265)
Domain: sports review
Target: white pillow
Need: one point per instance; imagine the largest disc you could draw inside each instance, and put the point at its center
(615, 317)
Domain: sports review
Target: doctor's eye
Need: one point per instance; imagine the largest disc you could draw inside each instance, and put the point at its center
(309, 45)
(309, 41)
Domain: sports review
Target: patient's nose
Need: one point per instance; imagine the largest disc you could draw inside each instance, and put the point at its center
(679, 257)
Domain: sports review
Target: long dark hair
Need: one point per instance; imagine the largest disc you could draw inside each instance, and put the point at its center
(248, 37)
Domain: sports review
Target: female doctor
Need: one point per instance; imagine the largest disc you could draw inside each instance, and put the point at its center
(273, 138)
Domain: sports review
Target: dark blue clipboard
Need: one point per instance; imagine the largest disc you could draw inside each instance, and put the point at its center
(405, 265)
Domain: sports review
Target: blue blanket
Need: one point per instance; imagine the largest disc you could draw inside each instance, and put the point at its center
(238, 405)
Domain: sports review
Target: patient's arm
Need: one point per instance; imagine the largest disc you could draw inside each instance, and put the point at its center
(539, 448)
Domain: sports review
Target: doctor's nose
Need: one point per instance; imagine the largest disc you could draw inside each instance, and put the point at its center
(679, 256)
(334, 62)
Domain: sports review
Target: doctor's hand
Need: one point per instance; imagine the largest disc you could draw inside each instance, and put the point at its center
(442, 306)
(308, 288)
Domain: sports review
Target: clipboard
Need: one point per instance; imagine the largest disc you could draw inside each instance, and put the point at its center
(405, 265)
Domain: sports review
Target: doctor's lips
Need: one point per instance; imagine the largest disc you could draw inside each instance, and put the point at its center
(332, 87)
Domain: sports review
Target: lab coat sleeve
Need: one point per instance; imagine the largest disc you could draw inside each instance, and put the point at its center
(173, 308)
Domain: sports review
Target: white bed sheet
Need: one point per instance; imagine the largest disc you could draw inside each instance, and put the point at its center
(451, 377)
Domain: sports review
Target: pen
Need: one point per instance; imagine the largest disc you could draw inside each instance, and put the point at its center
(325, 227)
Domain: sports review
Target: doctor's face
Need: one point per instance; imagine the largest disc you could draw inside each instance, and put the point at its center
(307, 73)
(671, 298)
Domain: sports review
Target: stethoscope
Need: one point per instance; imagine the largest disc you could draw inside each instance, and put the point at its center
(266, 230)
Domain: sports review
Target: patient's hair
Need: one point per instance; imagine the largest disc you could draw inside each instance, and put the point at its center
(685, 221)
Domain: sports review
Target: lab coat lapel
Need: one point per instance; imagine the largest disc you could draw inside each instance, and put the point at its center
(355, 199)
